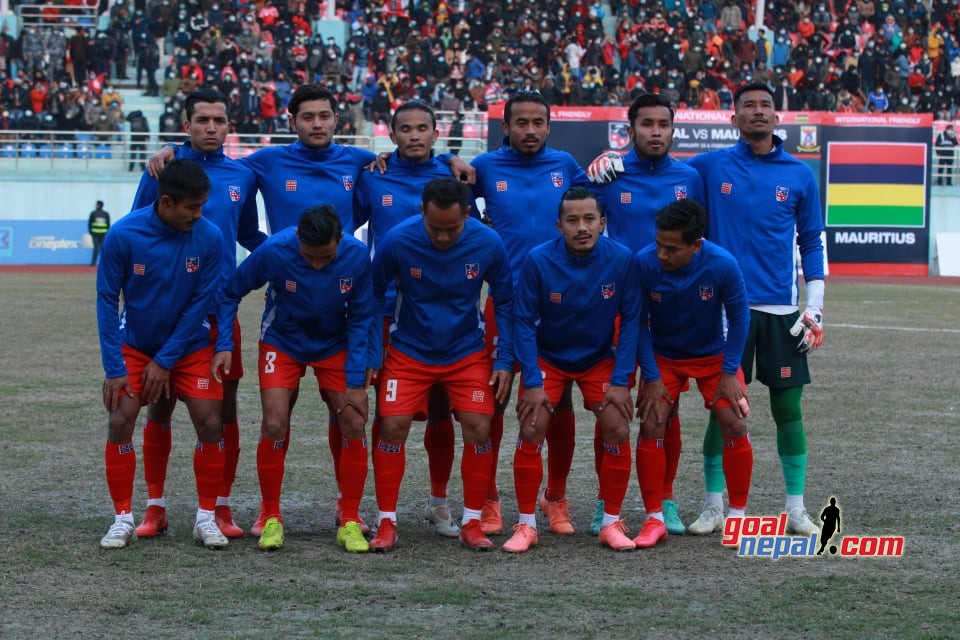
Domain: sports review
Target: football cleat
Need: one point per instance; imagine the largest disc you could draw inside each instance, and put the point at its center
(224, 520)
(671, 516)
(524, 536)
(652, 533)
(799, 523)
(338, 515)
(558, 512)
(615, 536)
(272, 536)
(386, 538)
(119, 535)
(491, 522)
(207, 533)
(472, 537)
(442, 520)
(709, 521)
(351, 538)
(597, 522)
(154, 522)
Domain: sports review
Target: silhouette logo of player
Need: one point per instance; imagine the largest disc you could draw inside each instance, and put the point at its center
(831, 523)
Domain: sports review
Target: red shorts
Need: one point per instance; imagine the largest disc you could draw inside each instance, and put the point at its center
(676, 375)
(593, 382)
(189, 378)
(405, 383)
(236, 365)
(279, 370)
(490, 333)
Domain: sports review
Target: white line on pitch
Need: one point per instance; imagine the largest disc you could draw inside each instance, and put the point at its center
(910, 329)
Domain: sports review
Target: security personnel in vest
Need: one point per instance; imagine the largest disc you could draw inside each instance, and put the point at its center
(97, 226)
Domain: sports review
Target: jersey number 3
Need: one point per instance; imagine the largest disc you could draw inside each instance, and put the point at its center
(269, 362)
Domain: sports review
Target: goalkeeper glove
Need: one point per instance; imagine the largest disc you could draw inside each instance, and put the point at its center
(604, 168)
(809, 326)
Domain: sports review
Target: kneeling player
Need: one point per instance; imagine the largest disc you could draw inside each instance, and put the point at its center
(162, 257)
(439, 262)
(687, 283)
(570, 293)
(318, 314)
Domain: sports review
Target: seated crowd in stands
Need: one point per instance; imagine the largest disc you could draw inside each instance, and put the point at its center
(829, 55)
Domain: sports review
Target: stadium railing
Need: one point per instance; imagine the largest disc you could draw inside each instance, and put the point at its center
(51, 16)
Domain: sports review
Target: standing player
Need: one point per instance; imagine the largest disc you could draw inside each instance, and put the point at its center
(763, 205)
(384, 200)
(439, 263)
(576, 285)
(689, 285)
(522, 183)
(649, 180)
(318, 314)
(165, 261)
(232, 206)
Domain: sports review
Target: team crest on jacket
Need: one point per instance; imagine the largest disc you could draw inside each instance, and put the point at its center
(655, 296)
(555, 297)
(626, 197)
(291, 286)
(234, 192)
(346, 284)
(501, 185)
(608, 290)
(706, 292)
(473, 270)
(139, 269)
(386, 200)
(415, 273)
(291, 185)
(556, 177)
(726, 188)
(782, 193)
(347, 183)
(193, 265)
(680, 191)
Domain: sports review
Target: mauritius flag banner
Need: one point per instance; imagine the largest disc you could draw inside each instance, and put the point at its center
(876, 184)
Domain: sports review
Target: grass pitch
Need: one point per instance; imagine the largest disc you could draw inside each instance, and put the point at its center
(882, 422)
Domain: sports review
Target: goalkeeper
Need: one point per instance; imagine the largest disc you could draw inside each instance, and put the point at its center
(763, 205)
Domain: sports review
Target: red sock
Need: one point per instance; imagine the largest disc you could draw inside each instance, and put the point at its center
(614, 475)
(335, 438)
(270, 466)
(121, 467)
(439, 440)
(672, 444)
(496, 436)
(231, 453)
(738, 467)
(527, 474)
(597, 451)
(475, 468)
(561, 440)
(208, 469)
(651, 462)
(353, 470)
(375, 433)
(157, 442)
(389, 463)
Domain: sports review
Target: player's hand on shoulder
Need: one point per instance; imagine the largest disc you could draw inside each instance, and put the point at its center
(380, 163)
(605, 168)
(462, 170)
(159, 160)
(809, 328)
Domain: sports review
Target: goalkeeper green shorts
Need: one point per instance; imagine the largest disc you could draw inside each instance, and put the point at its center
(779, 364)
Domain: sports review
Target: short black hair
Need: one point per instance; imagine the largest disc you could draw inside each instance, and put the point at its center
(181, 179)
(307, 92)
(414, 105)
(577, 192)
(756, 85)
(99, 203)
(319, 226)
(649, 100)
(210, 96)
(686, 216)
(525, 96)
(444, 192)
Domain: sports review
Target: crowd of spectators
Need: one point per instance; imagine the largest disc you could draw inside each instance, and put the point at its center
(829, 55)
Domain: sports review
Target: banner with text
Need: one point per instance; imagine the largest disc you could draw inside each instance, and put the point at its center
(59, 242)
